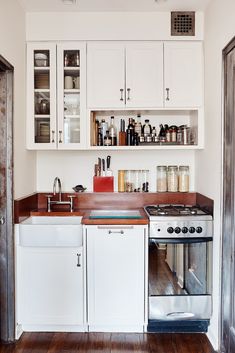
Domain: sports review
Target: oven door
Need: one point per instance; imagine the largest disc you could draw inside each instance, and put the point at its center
(180, 278)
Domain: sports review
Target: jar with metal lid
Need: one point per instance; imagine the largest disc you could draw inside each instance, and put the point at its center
(161, 178)
(184, 178)
(172, 178)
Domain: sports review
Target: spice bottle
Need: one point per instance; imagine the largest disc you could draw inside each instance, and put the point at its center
(161, 178)
(172, 178)
(107, 139)
(183, 178)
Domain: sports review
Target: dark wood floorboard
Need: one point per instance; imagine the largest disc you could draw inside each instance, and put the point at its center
(161, 279)
(109, 343)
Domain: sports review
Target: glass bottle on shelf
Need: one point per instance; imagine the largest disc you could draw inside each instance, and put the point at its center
(138, 126)
(146, 128)
(107, 139)
(113, 132)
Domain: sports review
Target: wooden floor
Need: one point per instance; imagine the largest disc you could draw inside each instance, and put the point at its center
(108, 343)
(161, 279)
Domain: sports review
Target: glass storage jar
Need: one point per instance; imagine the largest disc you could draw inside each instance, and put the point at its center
(161, 178)
(172, 178)
(184, 178)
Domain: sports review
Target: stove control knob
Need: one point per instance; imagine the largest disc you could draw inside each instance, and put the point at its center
(199, 229)
(192, 230)
(177, 230)
(170, 230)
(184, 230)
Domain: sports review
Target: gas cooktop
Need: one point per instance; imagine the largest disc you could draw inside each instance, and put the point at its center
(174, 210)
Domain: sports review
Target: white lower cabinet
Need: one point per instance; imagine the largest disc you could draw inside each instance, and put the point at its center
(50, 289)
(115, 278)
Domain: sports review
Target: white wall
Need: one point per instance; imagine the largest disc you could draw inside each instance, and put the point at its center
(77, 167)
(219, 30)
(12, 48)
(104, 26)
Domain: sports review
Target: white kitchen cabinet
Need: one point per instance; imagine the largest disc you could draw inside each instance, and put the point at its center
(123, 75)
(50, 293)
(183, 74)
(56, 95)
(115, 278)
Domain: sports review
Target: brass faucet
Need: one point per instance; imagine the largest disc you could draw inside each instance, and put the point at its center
(57, 180)
(58, 202)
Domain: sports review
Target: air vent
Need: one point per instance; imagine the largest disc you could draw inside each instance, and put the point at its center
(182, 23)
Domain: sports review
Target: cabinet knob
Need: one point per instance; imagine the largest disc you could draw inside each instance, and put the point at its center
(60, 136)
(121, 90)
(167, 94)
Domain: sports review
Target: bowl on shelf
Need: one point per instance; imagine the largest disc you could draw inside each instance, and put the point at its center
(40, 59)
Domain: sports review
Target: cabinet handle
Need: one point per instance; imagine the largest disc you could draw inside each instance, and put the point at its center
(60, 138)
(128, 94)
(78, 260)
(116, 232)
(2, 220)
(167, 94)
(53, 136)
(121, 90)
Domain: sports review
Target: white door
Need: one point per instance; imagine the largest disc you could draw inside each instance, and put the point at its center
(50, 286)
(115, 260)
(105, 75)
(144, 75)
(183, 74)
(71, 95)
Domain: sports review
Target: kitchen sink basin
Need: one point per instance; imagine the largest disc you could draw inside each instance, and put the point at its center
(117, 214)
(51, 232)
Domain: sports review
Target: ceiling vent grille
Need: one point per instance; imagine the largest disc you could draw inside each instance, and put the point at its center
(182, 23)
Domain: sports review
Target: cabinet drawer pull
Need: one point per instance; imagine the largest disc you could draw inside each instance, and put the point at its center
(116, 232)
(53, 136)
(128, 94)
(115, 228)
(60, 138)
(167, 94)
(78, 260)
(121, 90)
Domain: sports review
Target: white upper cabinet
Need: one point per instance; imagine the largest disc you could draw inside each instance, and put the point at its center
(105, 75)
(183, 74)
(56, 95)
(144, 75)
(125, 75)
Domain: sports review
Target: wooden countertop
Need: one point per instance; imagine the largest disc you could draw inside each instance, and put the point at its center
(85, 213)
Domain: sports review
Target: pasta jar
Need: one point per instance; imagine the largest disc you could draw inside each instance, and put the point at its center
(184, 178)
(161, 178)
(172, 178)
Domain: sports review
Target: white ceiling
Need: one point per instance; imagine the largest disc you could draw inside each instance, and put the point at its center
(114, 5)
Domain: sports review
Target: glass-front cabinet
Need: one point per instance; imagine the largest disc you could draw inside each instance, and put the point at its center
(56, 89)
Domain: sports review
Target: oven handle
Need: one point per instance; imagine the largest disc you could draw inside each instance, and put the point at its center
(181, 240)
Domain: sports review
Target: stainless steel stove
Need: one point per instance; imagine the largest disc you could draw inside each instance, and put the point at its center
(180, 255)
(179, 221)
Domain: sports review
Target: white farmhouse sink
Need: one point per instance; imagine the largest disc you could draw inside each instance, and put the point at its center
(51, 232)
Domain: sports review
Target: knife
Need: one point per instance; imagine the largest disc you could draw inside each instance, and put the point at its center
(109, 171)
(103, 167)
(99, 167)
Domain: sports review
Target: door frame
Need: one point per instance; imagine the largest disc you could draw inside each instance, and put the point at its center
(226, 237)
(7, 266)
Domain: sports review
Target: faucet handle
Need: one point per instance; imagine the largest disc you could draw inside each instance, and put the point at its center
(71, 202)
(49, 202)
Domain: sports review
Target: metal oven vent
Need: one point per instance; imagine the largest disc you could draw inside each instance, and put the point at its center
(182, 23)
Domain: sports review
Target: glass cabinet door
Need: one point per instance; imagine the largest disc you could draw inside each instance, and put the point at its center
(41, 96)
(71, 84)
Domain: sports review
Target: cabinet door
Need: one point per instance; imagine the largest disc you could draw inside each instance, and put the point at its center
(105, 75)
(115, 260)
(144, 75)
(50, 286)
(183, 74)
(71, 88)
(41, 96)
